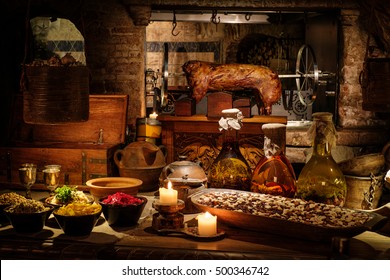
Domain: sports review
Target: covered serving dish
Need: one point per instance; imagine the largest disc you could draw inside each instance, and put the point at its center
(187, 178)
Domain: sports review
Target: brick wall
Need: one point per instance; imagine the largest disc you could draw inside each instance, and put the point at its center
(115, 53)
(354, 41)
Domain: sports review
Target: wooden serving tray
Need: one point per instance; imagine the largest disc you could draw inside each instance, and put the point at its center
(285, 227)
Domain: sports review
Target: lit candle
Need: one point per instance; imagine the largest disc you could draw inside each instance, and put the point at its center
(168, 195)
(153, 116)
(207, 224)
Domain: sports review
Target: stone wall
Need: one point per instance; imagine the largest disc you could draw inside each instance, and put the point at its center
(354, 41)
(115, 53)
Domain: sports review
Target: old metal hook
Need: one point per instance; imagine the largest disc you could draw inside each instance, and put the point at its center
(174, 25)
(213, 18)
(248, 16)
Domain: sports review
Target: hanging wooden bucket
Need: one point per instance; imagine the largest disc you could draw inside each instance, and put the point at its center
(364, 192)
(56, 94)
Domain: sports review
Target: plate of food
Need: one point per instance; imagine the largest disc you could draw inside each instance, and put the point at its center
(290, 217)
(68, 194)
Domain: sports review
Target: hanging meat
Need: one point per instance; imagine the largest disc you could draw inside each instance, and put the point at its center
(205, 76)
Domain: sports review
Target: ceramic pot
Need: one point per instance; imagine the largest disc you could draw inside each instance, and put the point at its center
(142, 160)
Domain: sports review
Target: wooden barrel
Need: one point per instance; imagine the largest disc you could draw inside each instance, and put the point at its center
(364, 192)
(56, 94)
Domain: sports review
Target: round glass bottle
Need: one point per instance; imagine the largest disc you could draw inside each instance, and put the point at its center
(230, 170)
(321, 179)
(273, 173)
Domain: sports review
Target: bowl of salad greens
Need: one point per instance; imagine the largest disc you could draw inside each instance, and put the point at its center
(68, 194)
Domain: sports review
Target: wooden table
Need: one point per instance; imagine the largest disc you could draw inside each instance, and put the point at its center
(142, 242)
(199, 139)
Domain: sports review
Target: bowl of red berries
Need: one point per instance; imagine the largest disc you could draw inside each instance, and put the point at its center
(122, 210)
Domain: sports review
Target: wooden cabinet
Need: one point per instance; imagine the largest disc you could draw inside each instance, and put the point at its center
(199, 139)
(84, 150)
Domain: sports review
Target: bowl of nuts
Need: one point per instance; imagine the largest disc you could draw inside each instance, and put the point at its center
(290, 217)
(28, 216)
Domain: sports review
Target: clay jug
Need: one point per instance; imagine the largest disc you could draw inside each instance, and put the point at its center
(140, 154)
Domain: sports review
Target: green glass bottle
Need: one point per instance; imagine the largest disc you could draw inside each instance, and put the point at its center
(230, 170)
(321, 179)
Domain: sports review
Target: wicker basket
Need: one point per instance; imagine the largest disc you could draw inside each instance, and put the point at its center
(56, 94)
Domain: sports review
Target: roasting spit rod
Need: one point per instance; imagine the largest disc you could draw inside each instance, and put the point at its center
(307, 75)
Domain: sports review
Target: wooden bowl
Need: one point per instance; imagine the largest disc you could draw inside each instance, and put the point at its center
(364, 165)
(103, 187)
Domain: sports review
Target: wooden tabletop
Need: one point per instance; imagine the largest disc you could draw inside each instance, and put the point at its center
(143, 242)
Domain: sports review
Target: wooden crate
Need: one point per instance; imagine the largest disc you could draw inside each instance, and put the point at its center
(185, 107)
(244, 105)
(84, 150)
(218, 101)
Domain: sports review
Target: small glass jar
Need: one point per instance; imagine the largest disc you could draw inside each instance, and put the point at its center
(274, 173)
(321, 179)
(230, 170)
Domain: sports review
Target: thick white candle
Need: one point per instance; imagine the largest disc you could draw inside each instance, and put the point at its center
(207, 224)
(153, 116)
(168, 195)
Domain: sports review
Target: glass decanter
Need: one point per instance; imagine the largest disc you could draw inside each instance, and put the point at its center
(321, 179)
(230, 170)
(274, 173)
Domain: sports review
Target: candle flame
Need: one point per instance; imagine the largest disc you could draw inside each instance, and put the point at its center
(207, 215)
(169, 185)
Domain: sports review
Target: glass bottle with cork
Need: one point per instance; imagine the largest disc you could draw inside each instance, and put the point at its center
(274, 173)
(230, 170)
(321, 179)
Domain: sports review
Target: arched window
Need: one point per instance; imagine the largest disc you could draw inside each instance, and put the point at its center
(56, 36)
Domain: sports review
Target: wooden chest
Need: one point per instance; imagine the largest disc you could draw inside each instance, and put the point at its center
(84, 150)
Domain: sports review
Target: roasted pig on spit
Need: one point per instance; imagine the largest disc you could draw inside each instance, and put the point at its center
(205, 76)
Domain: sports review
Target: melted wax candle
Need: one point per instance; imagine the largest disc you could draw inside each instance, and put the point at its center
(153, 116)
(207, 224)
(168, 195)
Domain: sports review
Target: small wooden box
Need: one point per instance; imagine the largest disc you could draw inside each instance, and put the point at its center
(84, 150)
(244, 105)
(185, 107)
(218, 101)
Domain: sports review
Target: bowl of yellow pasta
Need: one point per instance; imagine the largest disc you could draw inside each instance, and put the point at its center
(78, 219)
